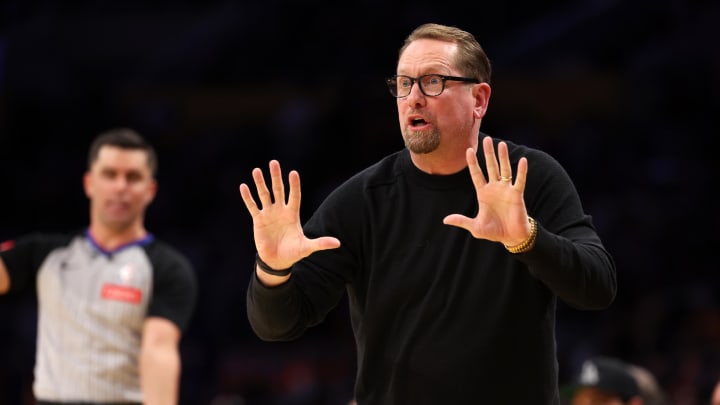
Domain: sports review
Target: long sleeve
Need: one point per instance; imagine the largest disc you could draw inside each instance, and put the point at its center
(568, 256)
(427, 299)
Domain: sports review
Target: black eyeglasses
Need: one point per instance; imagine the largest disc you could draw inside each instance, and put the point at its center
(430, 85)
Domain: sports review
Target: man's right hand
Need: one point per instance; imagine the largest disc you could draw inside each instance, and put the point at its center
(278, 233)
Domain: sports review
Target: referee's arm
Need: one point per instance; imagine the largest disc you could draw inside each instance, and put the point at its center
(160, 362)
(4, 278)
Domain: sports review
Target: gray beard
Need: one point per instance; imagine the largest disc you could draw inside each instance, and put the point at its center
(421, 142)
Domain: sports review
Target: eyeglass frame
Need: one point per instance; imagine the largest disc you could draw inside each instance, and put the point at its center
(418, 80)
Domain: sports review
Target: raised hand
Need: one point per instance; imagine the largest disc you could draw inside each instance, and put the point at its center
(279, 237)
(502, 216)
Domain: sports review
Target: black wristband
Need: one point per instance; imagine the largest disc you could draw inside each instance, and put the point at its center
(269, 270)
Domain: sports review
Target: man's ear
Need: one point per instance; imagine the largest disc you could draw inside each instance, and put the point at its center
(87, 184)
(152, 192)
(482, 99)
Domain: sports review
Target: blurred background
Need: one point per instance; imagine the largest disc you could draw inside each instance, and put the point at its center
(623, 93)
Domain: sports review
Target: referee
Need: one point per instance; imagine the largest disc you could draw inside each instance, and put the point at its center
(113, 300)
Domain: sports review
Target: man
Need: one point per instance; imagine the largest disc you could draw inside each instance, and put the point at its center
(606, 381)
(112, 299)
(452, 259)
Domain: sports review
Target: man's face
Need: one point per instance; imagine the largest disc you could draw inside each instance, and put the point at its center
(594, 396)
(427, 121)
(120, 186)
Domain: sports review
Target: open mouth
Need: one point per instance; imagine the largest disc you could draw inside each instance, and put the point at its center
(417, 122)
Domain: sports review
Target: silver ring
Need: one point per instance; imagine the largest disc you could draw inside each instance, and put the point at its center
(508, 178)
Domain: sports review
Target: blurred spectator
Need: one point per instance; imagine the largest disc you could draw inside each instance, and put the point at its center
(605, 381)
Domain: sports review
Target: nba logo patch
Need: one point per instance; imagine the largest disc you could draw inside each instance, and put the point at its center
(126, 273)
